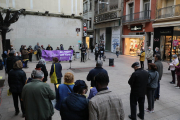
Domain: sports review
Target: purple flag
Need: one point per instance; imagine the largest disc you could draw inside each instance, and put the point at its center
(62, 55)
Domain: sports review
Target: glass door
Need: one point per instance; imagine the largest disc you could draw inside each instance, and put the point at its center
(146, 10)
(131, 10)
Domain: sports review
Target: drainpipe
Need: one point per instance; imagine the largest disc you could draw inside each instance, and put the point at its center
(121, 27)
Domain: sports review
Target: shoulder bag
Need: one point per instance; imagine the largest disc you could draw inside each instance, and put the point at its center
(53, 76)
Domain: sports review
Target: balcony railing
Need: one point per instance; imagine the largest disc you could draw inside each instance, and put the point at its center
(170, 11)
(144, 15)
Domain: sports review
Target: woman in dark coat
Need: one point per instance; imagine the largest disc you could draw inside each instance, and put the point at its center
(75, 106)
(16, 81)
(42, 64)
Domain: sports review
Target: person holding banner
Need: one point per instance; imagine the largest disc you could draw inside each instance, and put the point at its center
(49, 47)
(58, 69)
(83, 51)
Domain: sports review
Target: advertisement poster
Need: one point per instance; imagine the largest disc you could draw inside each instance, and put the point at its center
(115, 38)
(102, 38)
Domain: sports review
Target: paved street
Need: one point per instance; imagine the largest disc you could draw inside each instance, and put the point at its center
(167, 108)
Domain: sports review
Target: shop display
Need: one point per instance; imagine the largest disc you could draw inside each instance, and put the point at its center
(135, 46)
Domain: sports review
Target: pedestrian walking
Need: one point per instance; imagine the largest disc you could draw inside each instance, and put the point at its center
(149, 55)
(83, 52)
(64, 90)
(25, 57)
(159, 65)
(75, 106)
(5, 56)
(142, 58)
(172, 66)
(138, 83)
(94, 72)
(151, 87)
(61, 47)
(49, 47)
(58, 69)
(16, 81)
(42, 65)
(178, 76)
(30, 50)
(37, 48)
(117, 50)
(106, 105)
(37, 97)
(101, 52)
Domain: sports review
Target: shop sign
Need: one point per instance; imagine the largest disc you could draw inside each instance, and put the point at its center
(136, 28)
(165, 32)
(175, 42)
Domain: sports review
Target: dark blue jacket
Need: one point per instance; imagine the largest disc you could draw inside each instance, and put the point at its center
(58, 68)
(74, 107)
(93, 73)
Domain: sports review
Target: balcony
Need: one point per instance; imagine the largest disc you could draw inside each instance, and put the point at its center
(137, 17)
(171, 11)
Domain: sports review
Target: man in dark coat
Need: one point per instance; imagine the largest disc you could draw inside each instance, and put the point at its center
(138, 83)
(49, 47)
(92, 74)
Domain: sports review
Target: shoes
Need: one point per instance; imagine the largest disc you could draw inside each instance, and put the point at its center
(147, 110)
(16, 113)
(172, 82)
(177, 87)
(140, 117)
(131, 117)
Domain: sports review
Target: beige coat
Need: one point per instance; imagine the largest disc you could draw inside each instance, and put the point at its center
(118, 48)
(149, 55)
(106, 105)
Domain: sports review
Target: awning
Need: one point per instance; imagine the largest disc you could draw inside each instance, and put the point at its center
(132, 36)
(166, 24)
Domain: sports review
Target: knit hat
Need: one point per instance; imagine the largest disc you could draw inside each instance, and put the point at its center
(81, 83)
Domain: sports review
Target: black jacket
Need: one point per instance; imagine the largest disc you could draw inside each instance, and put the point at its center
(138, 82)
(49, 48)
(74, 107)
(16, 80)
(93, 73)
(43, 68)
(10, 62)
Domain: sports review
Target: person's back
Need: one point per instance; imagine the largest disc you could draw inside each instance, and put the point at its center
(43, 68)
(159, 68)
(10, 62)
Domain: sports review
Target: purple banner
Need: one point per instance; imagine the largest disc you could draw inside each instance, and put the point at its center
(62, 55)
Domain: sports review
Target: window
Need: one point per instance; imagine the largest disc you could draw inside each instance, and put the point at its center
(90, 5)
(146, 8)
(90, 23)
(131, 9)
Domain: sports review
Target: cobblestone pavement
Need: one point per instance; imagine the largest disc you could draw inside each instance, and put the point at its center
(167, 108)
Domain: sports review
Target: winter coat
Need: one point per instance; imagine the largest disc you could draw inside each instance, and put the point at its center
(58, 69)
(142, 56)
(49, 48)
(149, 55)
(62, 92)
(93, 73)
(25, 54)
(74, 107)
(178, 70)
(92, 93)
(174, 63)
(138, 82)
(10, 62)
(159, 68)
(153, 79)
(16, 80)
(43, 68)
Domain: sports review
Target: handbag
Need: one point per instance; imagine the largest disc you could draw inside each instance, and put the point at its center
(35, 52)
(53, 76)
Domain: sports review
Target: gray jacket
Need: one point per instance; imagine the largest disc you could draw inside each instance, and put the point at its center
(153, 79)
(36, 47)
(149, 55)
(159, 68)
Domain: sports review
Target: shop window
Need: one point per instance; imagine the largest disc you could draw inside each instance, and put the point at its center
(90, 5)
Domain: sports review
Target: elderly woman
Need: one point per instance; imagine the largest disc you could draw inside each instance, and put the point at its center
(42, 64)
(75, 106)
(16, 81)
(172, 65)
(64, 89)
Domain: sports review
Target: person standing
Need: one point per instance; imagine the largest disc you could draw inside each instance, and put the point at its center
(157, 51)
(38, 49)
(58, 69)
(25, 56)
(94, 72)
(178, 76)
(37, 97)
(138, 83)
(61, 47)
(83, 52)
(57, 48)
(172, 66)
(117, 50)
(151, 87)
(30, 50)
(105, 105)
(42, 64)
(21, 48)
(101, 51)
(16, 81)
(159, 65)
(142, 58)
(49, 47)
(149, 55)
(75, 106)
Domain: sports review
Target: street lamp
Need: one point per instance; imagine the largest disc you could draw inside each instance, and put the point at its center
(99, 2)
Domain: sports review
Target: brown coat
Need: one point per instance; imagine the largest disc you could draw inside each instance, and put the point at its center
(25, 54)
(106, 105)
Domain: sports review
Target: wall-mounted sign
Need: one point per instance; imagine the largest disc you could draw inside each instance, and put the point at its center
(165, 31)
(156, 39)
(77, 30)
(136, 28)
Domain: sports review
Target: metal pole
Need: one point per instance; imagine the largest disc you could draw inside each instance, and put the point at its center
(98, 6)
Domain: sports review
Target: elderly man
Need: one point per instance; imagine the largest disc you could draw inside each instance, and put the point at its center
(157, 51)
(92, 74)
(138, 83)
(38, 49)
(106, 105)
(37, 97)
(149, 55)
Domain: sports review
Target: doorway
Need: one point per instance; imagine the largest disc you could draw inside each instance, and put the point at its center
(108, 39)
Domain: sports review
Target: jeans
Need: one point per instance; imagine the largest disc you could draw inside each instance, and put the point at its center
(58, 82)
(133, 104)
(142, 64)
(101, 55)
(150, 98)
(15, 100)
(4, 60)
(117, 53)
(82, 57)
(173, 76)
(157, 91)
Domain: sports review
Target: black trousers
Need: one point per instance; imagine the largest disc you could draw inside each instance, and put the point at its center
(173, 76)
(149, 61)
(133, 104)
(15, 100)
(30, 57)
(50, 118)
(150, 98)
(82, 57)
(96, 56)
(38, 55)
(142, 64)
